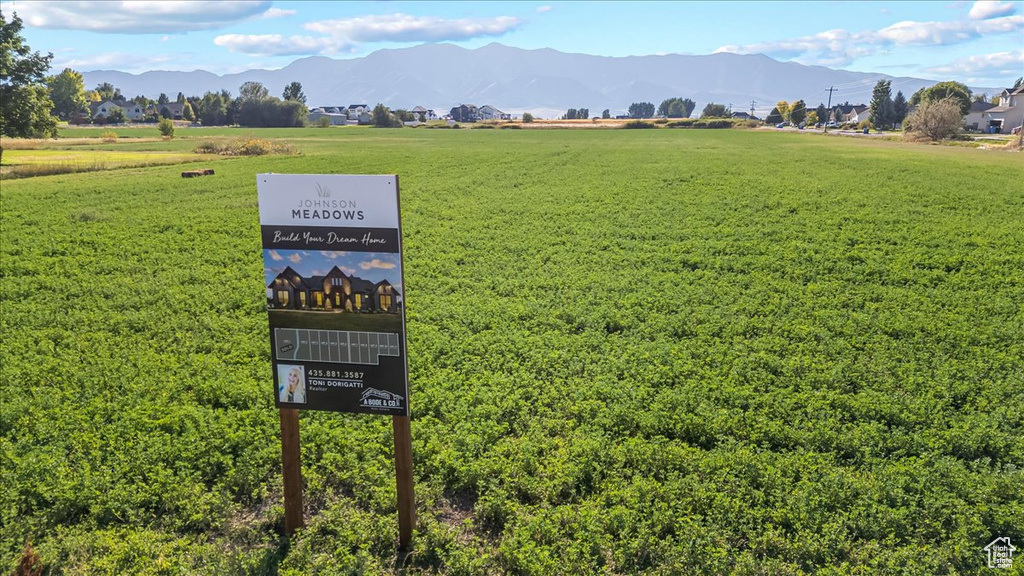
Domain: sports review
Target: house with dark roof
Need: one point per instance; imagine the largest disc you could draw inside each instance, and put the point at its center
(975, 117)
(465, 113)
(172, 110)
(841, 111)
(334, 291)
(858, 114)
(1008, 114)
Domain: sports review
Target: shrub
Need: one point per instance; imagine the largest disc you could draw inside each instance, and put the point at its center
(109, 136)
(683, 123)
(324, 122)
(511, 127)
(637, 124)
(934, 120)
(527, 117)
(661, 121)
(245, 146)
(166, 127)
(254, 147)
(484, 127)
(713, 123)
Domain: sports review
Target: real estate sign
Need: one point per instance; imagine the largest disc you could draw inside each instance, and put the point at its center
(332, 267)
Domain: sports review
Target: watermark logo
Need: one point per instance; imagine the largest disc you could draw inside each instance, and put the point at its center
(373, 398)
(322, 192)
(1000, 553)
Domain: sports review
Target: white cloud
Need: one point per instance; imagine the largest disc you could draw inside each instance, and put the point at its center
(274, 255)
(985, 9)
(333, 254)
(131, 62)
(277, 13)
(406, 28)
(375, 263)
(841, 47)
(295, 258)
(545, 8)
(986, 66)
(343, 35)
(138, 17)
(278, 45)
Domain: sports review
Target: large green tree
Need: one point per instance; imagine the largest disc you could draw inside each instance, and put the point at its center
(899, 108)
(67, 90)
(798, 112)
(641, 110)
(24, 99)
(959, 92)
(713, 110)
(253, 91)
(883, 110)
(108, 91)
(293, 91)
(676, 107)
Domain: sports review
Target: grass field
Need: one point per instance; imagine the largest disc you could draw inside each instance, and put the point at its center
(649, 351)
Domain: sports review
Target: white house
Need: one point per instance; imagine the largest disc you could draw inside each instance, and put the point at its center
(858, 114)
(488, 112)
(132, 111)
(426, 113)
(333, 116)
(975, 121)
(1008, 115)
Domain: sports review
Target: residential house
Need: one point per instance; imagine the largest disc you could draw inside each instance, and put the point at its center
(488, 112)
(974, 121)
(858, 114)
(334, 291)
(334, 117)
(1008, 114)
(354, 110)
(465, 113)
(840, 112)
(131, 110)
(744, 116)
(172, 110)
(423, 114)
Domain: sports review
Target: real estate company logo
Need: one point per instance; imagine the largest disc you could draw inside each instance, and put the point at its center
(373, 398)
(1000, 553)
(322, 192)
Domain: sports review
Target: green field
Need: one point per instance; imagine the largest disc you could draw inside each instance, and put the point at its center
(650, 351)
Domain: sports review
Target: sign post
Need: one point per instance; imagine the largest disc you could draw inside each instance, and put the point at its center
(291, 470)
(332, 261)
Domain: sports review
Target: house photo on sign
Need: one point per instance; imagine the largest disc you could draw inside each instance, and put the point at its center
(332, 267)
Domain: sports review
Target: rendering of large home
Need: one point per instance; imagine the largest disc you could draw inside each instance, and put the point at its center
(335, 291)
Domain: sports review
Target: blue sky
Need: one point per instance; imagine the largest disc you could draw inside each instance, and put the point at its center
(980, 43)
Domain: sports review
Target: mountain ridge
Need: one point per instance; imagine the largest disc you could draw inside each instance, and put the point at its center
(443, 75)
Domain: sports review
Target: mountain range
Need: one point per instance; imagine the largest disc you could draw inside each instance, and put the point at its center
(545, 82)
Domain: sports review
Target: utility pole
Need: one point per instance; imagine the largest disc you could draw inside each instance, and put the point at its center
(831, 88)
(752, 102)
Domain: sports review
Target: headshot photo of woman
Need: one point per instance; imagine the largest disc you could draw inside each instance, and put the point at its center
(291, 387)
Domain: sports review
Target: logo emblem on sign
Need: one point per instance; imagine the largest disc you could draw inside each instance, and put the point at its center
(322, 192)
(373, 398)
(1000, 553)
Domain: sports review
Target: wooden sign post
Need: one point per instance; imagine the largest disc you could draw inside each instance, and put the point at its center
(332, 261)
(291, 463)
(403, 480)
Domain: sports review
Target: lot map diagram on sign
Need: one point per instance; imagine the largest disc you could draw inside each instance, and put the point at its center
(332, 263)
